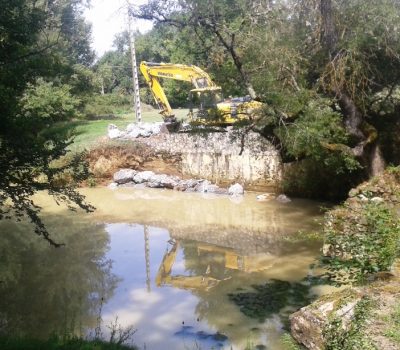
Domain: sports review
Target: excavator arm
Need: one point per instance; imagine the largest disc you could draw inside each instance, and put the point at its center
(153, 72)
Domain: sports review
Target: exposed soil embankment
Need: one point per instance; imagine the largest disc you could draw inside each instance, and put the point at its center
(109, 157)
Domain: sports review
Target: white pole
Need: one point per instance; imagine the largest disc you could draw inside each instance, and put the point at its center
(137, 107)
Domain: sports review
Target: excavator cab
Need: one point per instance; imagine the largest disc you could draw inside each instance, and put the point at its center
(205, 102)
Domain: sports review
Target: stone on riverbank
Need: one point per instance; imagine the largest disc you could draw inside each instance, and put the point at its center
(113, 132)
(130, 177)
(310, 323)
(134, 130)
(124, 176)
(236, 190)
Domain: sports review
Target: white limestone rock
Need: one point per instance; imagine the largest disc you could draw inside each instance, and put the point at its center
(282, 198)
(113, 186)
(236, 190)
(124, 176)
(113, 132)
(143, 176)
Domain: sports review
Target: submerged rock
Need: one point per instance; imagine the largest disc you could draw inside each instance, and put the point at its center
(236, 190)
(202, 187)
(265, 197)
(113, 185)
(282, 198)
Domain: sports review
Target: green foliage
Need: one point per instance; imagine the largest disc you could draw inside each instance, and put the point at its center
(46, 100)
(327, 104)
(367, 240)
(352, 339)
(39, 39)
(107, 104)
(288, 343)
(312, 133)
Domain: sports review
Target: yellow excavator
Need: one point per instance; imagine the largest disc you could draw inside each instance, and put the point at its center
(212, 108)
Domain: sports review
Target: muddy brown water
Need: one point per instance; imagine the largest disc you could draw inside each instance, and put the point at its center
(187, 271)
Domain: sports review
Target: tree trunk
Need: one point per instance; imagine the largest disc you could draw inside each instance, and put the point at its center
(328, 29)
(363, 136)
(230, 47)
(376, 161)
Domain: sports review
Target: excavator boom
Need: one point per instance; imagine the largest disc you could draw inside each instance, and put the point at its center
(152, 73)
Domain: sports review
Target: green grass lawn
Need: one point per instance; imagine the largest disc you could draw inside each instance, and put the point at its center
(88, 132)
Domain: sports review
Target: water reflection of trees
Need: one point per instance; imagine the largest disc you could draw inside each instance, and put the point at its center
(46, 290)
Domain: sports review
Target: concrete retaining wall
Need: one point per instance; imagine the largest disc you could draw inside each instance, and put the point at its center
(224, 156)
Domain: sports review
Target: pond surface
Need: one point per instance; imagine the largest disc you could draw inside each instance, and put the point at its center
(187, 271)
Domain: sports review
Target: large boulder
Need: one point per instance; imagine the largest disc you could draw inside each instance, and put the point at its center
(124, 176)
(163, 181)
(202, 187)
(113, 132)
(236, 190)
(309, 324)
(135, 130)
(143, 176)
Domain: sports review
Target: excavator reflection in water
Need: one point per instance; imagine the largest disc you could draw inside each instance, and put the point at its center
(231, 261)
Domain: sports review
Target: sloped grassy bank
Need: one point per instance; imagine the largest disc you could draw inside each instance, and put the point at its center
(362, 240)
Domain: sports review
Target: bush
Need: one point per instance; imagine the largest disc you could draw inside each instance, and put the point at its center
(47, 100)
(364, 240)
(108, 104)
(318, 134)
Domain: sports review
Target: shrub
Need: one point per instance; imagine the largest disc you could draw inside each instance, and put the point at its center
(108, 104)
(47, 100)
(364, 239)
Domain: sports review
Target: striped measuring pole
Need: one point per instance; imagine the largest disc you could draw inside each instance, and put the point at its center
(137, 107)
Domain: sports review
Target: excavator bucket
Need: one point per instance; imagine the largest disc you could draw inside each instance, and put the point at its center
(170, 127)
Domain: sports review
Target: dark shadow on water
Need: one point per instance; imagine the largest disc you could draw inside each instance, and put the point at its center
(215, 340)
(277, 297)
(270, 298)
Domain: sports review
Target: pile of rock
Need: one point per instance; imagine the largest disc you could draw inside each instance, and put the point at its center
(129, 177)
(134, 130)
